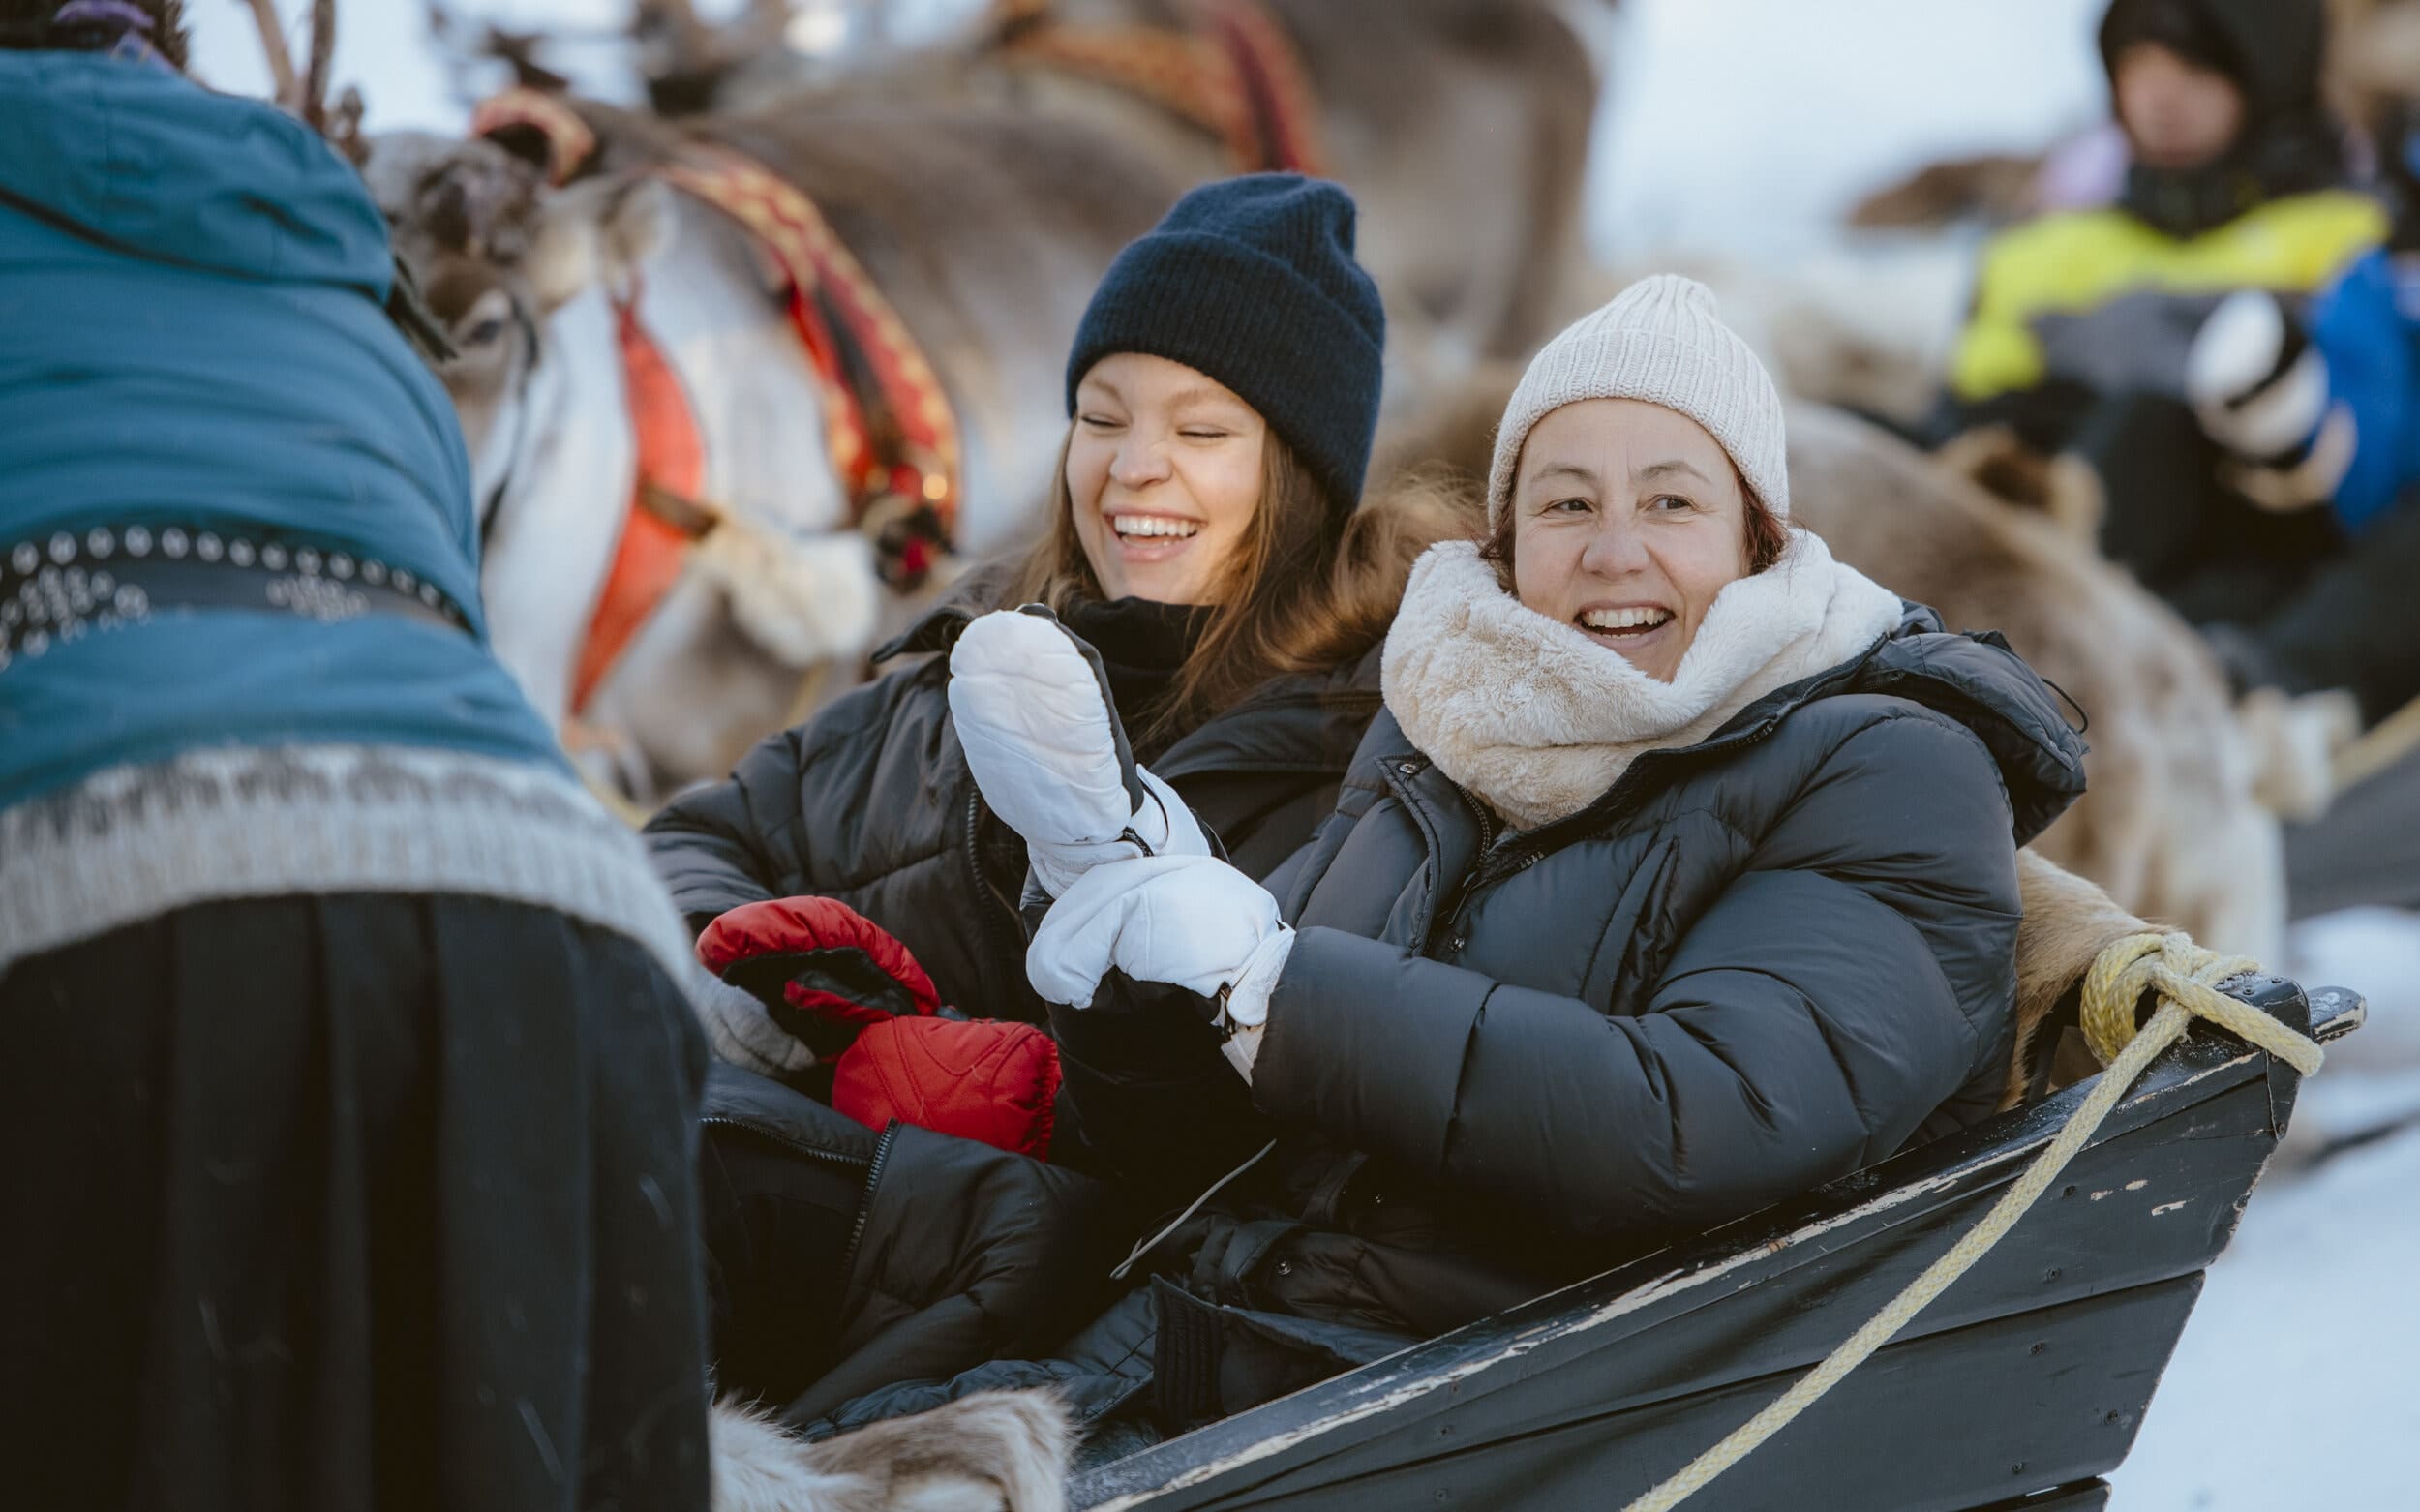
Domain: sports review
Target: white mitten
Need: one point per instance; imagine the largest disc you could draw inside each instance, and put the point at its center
(2261, 389)
(1191, 922)
(1033, 714)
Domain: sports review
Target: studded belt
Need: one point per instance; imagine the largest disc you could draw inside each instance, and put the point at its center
(61, 588)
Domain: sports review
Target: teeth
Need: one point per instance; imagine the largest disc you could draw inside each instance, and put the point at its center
(1153, 526)
(1624, 618)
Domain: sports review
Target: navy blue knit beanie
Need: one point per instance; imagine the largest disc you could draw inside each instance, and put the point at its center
(1253, 281)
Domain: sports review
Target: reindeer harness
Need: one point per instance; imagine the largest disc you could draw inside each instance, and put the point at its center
(890, 430)
(1232, 72)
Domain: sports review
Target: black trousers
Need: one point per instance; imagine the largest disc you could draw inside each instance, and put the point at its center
(351, 1203)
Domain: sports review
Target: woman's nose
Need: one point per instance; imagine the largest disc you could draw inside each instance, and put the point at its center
(1616, 549)
(1139, 461)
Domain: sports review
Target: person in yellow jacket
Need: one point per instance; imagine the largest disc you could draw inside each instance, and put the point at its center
(2223, 344)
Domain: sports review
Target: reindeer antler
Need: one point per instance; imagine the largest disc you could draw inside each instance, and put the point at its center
(685, 56)
(273, 44)
(307, 97)
(313, 106)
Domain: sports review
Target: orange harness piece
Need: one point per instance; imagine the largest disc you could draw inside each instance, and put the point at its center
(889, 428)
(1234, 73)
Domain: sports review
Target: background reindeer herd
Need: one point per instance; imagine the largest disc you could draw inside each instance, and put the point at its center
(594, 301)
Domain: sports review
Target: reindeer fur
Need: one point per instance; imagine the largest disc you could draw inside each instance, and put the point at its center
(995, 1451)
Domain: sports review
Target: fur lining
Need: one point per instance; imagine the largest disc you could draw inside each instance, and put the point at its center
(2068, 922)
(1540, 720)
(994, 1450)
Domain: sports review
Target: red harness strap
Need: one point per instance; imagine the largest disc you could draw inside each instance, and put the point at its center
(893, 438)
(654, 549)
(1234, 73)
(892, 433)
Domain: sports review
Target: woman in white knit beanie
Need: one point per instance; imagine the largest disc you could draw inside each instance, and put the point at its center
(1679, 873)
(1639, 502)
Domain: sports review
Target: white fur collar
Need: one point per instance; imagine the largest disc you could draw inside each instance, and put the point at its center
(1540, 720)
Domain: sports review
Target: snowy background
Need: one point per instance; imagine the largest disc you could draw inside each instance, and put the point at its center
(1742, 127)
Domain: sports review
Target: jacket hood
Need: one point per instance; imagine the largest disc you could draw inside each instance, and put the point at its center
(2273, 49)
(1978, 680)
(151, 164)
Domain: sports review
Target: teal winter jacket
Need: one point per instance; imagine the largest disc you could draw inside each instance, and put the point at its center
(192, 335)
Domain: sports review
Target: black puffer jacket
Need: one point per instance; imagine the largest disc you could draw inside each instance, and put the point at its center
(1756, 964)
(871, 802)
(841, 1260)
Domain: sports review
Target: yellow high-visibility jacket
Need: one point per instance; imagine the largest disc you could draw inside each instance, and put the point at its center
(2074, 264)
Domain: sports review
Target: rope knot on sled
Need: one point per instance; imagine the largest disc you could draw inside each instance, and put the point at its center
(2184, 979)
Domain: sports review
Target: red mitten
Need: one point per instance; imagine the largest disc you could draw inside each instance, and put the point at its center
(824, 971)
(985, 1080)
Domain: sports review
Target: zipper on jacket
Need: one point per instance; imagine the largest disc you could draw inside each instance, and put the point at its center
(1006, 933)
(795, 1146)
(1450, 916)
(1487, 819)
(866, 1204)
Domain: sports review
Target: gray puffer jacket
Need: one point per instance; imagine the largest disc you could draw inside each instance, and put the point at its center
(1754, 965)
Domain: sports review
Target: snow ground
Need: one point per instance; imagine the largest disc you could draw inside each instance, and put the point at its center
(1740, 127)
(2297, 1383)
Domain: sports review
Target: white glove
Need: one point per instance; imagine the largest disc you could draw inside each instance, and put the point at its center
(1033, 714)
(2261, 389)
(1191, 922)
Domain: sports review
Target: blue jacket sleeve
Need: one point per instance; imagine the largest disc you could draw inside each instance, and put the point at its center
(2374, 371)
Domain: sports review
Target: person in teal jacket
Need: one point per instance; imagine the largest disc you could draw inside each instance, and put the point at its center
(347, 1120)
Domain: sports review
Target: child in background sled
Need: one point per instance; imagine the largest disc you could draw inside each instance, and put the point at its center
(2225, 347)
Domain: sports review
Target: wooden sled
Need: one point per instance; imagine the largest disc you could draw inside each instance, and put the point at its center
(2019, 1388)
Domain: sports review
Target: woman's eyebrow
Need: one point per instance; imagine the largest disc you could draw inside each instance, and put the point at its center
(1564, 470)
(1199, 394)
(1667, 468)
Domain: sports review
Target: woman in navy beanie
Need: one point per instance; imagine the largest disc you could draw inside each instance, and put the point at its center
(1206, 538)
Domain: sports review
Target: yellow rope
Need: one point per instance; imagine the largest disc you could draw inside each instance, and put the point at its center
(2186, 977)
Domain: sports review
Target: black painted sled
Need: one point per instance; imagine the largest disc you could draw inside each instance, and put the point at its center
(2019, 1388)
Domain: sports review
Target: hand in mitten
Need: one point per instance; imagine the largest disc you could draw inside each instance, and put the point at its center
(2261, 391)
(835, 983)
(1191, 922)
(823, 971)
(1032, 709)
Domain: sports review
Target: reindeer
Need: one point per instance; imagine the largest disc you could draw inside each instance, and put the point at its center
(1460, 126)
(986, 233)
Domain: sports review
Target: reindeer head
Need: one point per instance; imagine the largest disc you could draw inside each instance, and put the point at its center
(497, 253)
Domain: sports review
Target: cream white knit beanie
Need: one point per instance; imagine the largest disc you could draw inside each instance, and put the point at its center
(1660, 340)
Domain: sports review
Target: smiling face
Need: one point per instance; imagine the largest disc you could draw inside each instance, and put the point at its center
(2178, 114)
(1627, 520)
(1163, 472)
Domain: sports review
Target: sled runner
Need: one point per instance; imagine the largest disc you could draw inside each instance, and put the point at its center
(2019, 1388)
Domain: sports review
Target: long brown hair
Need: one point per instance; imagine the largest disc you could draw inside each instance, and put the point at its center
(1301, 594)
